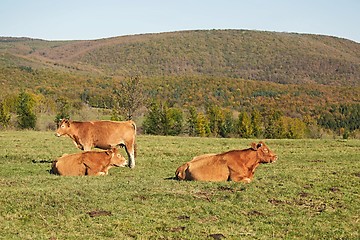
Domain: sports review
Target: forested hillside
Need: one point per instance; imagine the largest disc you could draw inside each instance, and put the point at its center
(236, 70)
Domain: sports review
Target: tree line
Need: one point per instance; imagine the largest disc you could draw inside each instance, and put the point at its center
(214, 121)
(217, 122)
(21, 111)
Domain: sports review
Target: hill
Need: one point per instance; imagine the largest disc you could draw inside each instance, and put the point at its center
(298, 74)
(267, 56)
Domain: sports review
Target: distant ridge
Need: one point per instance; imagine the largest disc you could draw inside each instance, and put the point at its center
(236, 69)
(268, 56)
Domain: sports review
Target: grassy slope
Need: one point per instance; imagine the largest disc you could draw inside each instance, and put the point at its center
(175, 65)
(269, 56)
(310, 193)
(276, 57)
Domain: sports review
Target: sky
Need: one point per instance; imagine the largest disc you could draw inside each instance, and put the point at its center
(90, 19)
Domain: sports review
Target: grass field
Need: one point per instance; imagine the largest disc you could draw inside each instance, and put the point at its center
(311, 192)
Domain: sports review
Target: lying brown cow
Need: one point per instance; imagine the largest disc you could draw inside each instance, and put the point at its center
(88, 163)
(101, 134)
(235, 165)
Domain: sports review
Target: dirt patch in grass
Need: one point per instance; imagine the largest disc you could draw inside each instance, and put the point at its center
(203, 196)
(99, 213)
(217, 236)
(255, 213)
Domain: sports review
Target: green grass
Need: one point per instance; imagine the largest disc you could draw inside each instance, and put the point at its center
(311, 192)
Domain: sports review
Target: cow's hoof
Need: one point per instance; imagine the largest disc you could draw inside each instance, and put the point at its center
(246, 180)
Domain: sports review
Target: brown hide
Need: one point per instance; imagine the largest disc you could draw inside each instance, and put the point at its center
(235, 165)
(88, 163)
(101, 134)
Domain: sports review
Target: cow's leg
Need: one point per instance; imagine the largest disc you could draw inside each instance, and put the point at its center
(87, 148)
(238, 178)
(130, 150)
(239, 175)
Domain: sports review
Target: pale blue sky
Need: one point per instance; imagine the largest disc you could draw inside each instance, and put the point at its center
(90, 19)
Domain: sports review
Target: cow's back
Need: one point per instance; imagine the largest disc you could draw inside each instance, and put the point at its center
(208, 167)
(108, 134)
(69, 165)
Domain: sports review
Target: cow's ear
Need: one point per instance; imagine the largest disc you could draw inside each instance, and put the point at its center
(66, 121)
(254, 146)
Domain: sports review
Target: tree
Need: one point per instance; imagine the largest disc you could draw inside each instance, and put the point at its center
(227, 126)
(173, 121)
(152, 123)
(25, 111)
(202, 125)
(162, 120)
(130, 96)
(294, 127)
(244, 127)
(274, 127)
(216, 119)
(191, 121)
(256, 122)
(4, 115)
(63, 109)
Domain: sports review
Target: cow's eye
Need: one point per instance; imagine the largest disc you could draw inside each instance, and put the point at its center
(62, 126)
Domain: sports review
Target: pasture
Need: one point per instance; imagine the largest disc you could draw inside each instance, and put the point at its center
(311, 192)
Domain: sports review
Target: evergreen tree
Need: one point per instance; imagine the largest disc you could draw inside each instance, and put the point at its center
(153, 120)
(274, 126)
(174, 121)
(25, 111)
(227, 126)
(191, 121)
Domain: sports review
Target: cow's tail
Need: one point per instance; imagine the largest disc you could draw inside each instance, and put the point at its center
(180, 173)
(134, 126)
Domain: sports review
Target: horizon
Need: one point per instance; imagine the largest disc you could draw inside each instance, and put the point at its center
(91, 20)
(138, 34)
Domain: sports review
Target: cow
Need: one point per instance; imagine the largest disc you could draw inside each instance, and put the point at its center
(234, 165)
(101, 134)
(93, 163)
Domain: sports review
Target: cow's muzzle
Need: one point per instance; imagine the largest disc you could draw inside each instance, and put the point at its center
(274, 159)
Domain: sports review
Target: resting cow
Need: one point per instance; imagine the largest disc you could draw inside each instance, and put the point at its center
(88, 163)
(101, 134)
(235, 165)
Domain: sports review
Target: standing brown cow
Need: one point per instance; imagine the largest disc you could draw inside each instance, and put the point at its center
(235, 165)
(88, 163)
(101, 134)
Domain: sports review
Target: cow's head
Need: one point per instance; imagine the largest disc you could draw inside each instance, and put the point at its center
(63, 127)
(117, 159)
(264, 154)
